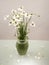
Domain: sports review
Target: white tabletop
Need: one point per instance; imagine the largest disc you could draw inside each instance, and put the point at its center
(38, 53)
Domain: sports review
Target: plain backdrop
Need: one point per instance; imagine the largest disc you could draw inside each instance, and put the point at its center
(41, 7)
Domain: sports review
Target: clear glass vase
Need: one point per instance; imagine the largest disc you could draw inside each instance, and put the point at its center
(22, 47)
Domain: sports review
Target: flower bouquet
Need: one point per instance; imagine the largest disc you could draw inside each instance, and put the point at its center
(20, 19)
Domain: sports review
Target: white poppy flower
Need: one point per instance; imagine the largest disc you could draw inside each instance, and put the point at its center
(20, 9)
(29, 16)
(16, 24)
(11, 21)
(13, 12)
(17, 16)
(32, 24)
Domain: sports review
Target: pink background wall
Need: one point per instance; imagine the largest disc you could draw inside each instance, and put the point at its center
(40, 32)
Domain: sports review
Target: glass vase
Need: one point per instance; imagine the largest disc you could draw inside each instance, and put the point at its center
(22, 47)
